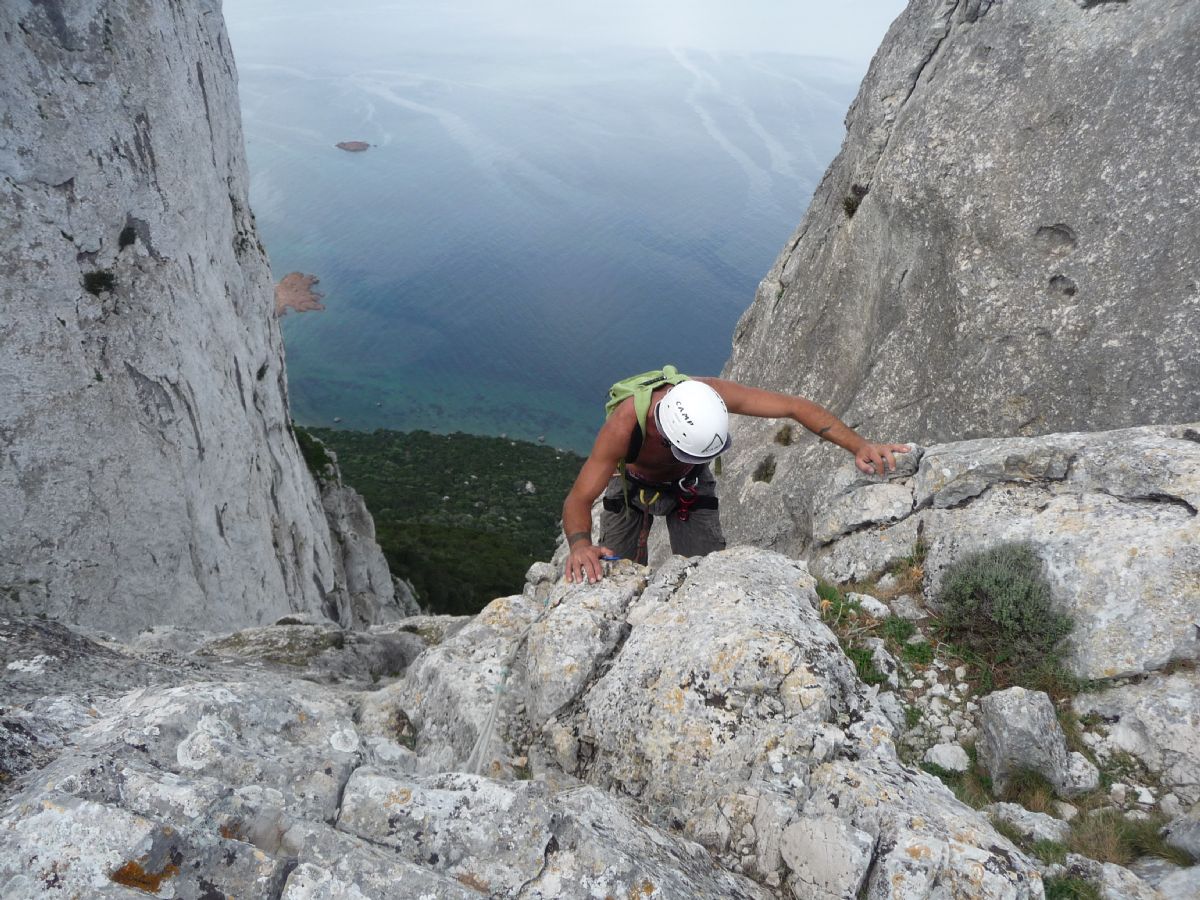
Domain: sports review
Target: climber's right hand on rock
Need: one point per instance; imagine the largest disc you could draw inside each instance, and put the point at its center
(584, 564)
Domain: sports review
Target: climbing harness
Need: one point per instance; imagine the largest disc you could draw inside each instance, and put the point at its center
(687, 500)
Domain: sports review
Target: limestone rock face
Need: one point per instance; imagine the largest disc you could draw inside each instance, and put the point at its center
(360, 571)
(1112, 515)
(235, 779)
(147, 472)
(1019, 259)
(712, 696)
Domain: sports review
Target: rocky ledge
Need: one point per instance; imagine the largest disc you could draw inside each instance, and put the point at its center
(612, 763)
(717, 727)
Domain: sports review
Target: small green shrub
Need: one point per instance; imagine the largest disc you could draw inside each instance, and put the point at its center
(313, 451)
(854, 199)
(996, 605)
(912, 717)
(765, 470)
(98, 282)
(864, 664)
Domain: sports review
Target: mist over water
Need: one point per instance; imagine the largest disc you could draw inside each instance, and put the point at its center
(531, 223)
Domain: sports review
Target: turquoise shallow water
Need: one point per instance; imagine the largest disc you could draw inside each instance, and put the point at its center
(528, 226)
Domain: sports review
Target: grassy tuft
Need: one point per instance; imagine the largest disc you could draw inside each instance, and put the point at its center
(852, 201)
(1030, 790)
(864, 664)
(1049, 852)
(972, 787)
(896, 630)
(1071, 889)
(918, 654)
(1108, 836)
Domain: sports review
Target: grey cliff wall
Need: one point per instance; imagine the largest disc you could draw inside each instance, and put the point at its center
(147, 472)
(1024, 259)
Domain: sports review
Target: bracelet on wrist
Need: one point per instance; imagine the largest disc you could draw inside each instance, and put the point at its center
(577, 536)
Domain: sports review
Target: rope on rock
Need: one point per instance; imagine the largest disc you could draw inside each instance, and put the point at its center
(479, 752)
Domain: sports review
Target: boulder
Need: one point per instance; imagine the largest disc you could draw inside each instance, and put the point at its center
(517, 838)
(322, 651)
(1113, 882)
(1033, 826)
(1183, 833)
(757, 740)
(951, 757)
(449, 692)
(1183, 884)
(1019, 730)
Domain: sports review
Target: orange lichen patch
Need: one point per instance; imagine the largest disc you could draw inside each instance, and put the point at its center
(133, 875)
(474, 882)
(302, 717)
(675, 700)
(231, 831)
(645, 889)
(398, 797)
(919, 851)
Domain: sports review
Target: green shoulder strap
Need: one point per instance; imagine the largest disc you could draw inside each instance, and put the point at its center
(640, 388)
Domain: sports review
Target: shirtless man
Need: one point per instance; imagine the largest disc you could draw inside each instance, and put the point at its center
(668, 474)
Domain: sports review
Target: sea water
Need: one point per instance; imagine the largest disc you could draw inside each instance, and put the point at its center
(529, 224)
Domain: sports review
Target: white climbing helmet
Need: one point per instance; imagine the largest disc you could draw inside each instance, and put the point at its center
(693, 417)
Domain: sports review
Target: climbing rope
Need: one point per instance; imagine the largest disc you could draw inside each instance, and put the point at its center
(479, 752)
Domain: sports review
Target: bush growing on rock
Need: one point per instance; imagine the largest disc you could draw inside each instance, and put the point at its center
(996, 604)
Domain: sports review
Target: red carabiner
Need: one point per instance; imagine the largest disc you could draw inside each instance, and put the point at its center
(688, 494)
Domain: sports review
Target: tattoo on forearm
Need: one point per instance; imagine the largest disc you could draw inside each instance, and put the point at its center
(576, 536)
(821, 433)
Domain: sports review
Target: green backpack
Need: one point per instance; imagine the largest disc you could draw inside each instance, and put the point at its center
(640, 387)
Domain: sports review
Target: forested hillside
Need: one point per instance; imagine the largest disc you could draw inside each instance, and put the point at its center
(460, 516)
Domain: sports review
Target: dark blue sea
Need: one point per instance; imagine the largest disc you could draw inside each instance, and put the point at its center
(529, 224)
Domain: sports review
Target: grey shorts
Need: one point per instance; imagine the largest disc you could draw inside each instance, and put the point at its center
(698, 535)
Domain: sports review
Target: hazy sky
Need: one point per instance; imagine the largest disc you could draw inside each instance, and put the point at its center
(845, 29)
